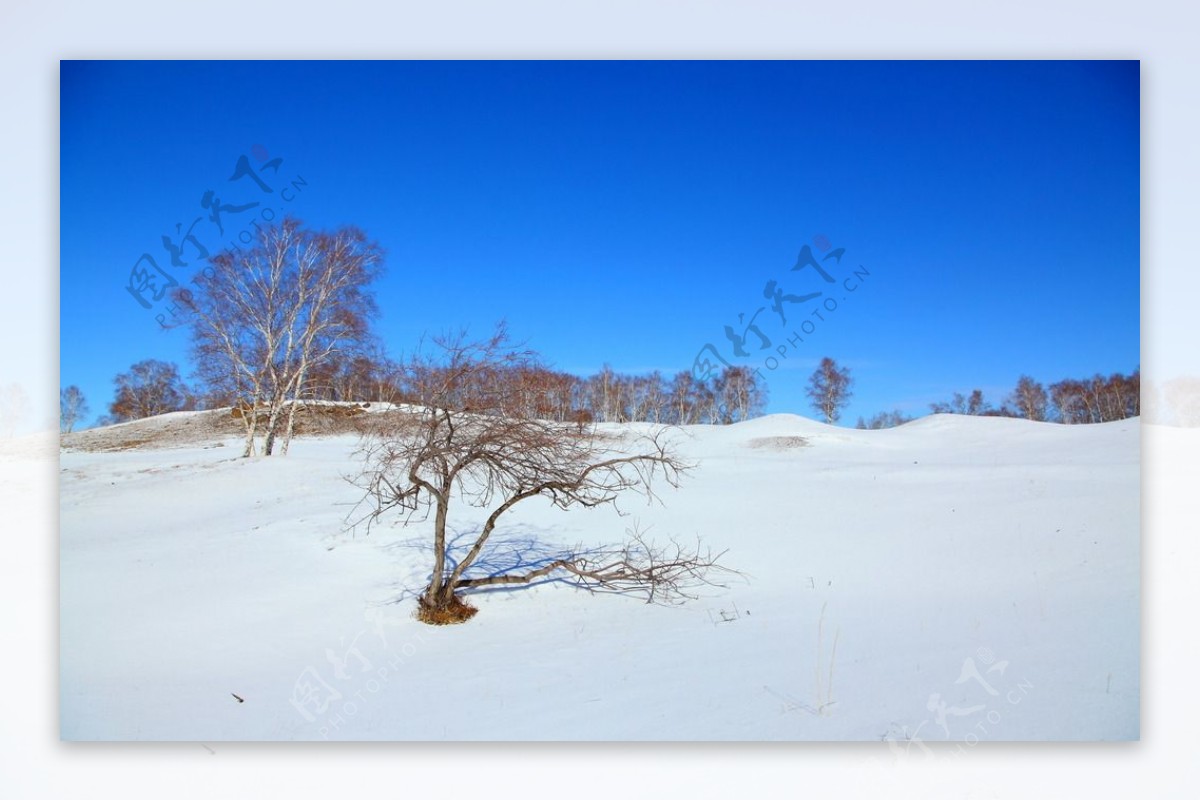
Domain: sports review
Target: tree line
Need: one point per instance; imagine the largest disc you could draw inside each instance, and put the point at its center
(607, 396)
(1098, 399)
(153, 387)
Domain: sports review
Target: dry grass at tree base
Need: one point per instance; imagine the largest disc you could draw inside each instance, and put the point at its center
(163, 431)
(458, 611)
(208, 428)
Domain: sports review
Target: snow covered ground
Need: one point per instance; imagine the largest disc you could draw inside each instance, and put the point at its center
(957, 578)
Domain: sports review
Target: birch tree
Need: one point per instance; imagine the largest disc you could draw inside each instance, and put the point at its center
(265, 318)
(829, 389)
(72, 407)
(1029, 399)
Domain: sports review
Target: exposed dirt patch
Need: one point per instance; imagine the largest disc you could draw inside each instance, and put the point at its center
(215, 427)
(778, 443)
(179, 429)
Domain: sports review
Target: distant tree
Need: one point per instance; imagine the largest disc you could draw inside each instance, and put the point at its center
(72, 407)
(976, 404)
(150, 387)
(742, 395)
(1127, 393)
(470, 441)
(963, 404)
(654, 398)
(1096, 399)
(682, 398)
(705, 405)
(1029, 400)
(829, 389)
(603, 394)
(956, 405)
(885, 420)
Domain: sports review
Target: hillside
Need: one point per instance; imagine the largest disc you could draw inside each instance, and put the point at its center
(953, 578)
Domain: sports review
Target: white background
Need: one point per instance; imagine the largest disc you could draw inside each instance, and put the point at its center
(33, 37)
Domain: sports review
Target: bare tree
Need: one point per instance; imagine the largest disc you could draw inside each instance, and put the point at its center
(1125, 393)
(466, 441)
(654, 397)
(683, 398)
(72, 406)
(603, 395)
(973, 404)
(741, 394)
(976, 405)
(264, 319)
(150, 387)
(829, 389)
(885, 420)
(1029, 399)
(956, 405)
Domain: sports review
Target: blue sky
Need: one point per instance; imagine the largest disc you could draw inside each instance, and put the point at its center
(626, 212)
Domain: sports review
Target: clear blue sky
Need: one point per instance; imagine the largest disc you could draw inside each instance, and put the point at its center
(626, 212)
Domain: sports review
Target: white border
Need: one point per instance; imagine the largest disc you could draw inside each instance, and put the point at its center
(33, 763)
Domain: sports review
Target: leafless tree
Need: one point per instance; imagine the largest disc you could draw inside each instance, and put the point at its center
(653, 398)
(973, 404)
(72, 406)
(682, 398)
(956, 405)
(150, 387)
(741, 394)
(885, 420)
(467, 441)
(829, 389)
(1029, 399)
(603, 394)
(263, 319)
(976, 405)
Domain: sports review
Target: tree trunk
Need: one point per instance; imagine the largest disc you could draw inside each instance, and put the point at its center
(251, 426)
(438, 594)
(301, 376)
(272, 425)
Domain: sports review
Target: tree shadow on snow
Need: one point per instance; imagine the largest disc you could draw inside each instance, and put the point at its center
(509, 552)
